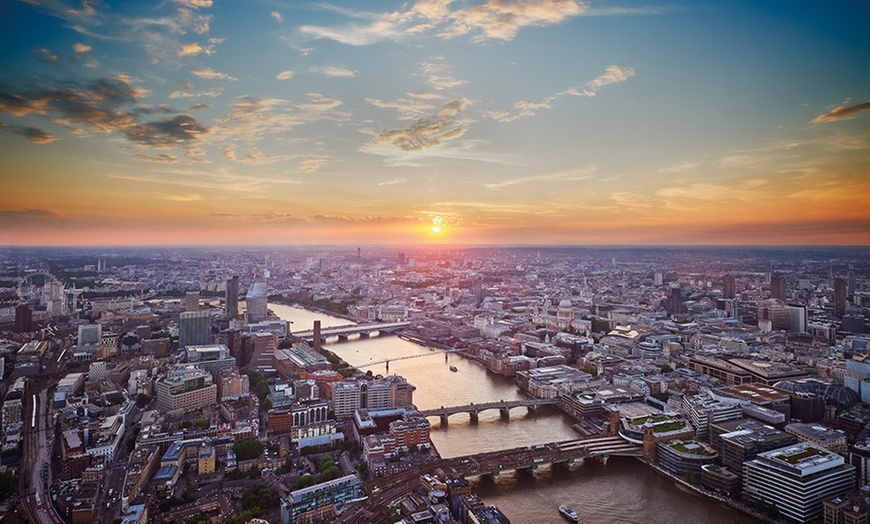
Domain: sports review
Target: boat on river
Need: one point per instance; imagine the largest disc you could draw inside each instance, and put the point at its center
(453, 368)
(568, 513)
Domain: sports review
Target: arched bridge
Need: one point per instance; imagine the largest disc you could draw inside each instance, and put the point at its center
(474, 410)
(363, 330)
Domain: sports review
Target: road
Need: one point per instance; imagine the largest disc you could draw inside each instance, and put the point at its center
(38, 439)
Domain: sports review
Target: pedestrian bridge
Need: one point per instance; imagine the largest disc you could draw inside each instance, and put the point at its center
(474, 410)
(342, 332)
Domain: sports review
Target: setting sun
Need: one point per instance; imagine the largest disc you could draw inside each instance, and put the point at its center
(435, 229)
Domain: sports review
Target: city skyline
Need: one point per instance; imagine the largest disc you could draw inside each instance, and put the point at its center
(437, 121)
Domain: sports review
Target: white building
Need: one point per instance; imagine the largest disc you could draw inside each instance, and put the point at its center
(797, 479)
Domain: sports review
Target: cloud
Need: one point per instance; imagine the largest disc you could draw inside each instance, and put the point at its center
(20, 106)
(438, 76)
(277, 16)
(285, 75)
(524, 108)
(20, 217)
(842, 112)
(44, 54)
(163, 159)
(186, 91)
(334, 72)
(211, 74)
(33, 134)
(679, 167)
(193, 48)
(428, 131)
(311, 164)
(254, 157)
(318, 102)
(166, 132)
(400, 180)
(574, 175)
(613, 75)
(195, 4)
(81, 48)
(409, 108)
(492, 19)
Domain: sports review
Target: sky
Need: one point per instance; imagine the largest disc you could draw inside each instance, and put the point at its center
(498, 122)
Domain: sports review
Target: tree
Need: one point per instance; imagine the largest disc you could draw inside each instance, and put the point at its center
(247, 448)
(8, 484)
(666, 368)
(202, 423)
(304, 481)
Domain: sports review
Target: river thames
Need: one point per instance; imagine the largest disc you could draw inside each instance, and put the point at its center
(623, 490)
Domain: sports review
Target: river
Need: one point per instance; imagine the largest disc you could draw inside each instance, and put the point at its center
(623, 490)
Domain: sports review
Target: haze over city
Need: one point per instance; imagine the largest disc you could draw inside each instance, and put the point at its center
(437, 121)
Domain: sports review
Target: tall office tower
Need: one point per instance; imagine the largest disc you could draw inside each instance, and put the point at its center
(839, 297)
(101, 264)
(232, 297)
(658, 278)
(728, 286)
(194, 328)
(401, 260)
(257, 303)
(674, 304)
(23, 318)
(777, 287)
(191, 301)
(850, 283)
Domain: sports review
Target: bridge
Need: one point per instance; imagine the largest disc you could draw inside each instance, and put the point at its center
(474, 410)
(342, 332)
(387, 361)
(531, 457)
(386, 491)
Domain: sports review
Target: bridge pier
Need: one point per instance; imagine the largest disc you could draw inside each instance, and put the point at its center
(343, 338)
(443, 421)
(603, 459)
(388, 366)
(364, 334)
(475, 416)
(505, 413)
(533, 408)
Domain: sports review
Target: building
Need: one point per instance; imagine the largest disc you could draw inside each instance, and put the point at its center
(191, 301)
(257, 303)
(211, 358)
(232, 385)
(231, 299)
(826, 438)
(684, 457)
(740, 440)
(186, 387)
(318, 496)
(194, 328)
(839, 298)
(778, 287)
(797, 480)
(728, 289)
(90, 334)
(388, 392)
(23, 318)
(703, 410)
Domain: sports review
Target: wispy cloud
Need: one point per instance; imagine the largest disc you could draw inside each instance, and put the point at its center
(81, 48)
(186, 91)
(679, 167)
(499, 20)
(574, 175)
(428, 131)
(32, 134)
(333, 71)
(842, 112)
(285, 75)
(614, 74)
(525, 108)
(211, 74)
(277, 16)
(400, 180)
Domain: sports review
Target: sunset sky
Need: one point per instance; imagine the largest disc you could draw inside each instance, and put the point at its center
(372, 122)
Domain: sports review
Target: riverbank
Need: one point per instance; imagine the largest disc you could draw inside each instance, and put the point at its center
(710, 495)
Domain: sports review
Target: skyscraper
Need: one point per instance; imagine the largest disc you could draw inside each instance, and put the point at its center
(194, 328)
(256, 302)
(777, 287)
(232, 297)
(728, 290)
(839, 297)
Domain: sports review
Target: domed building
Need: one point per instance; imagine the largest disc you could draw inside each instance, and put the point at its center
(564, 314)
